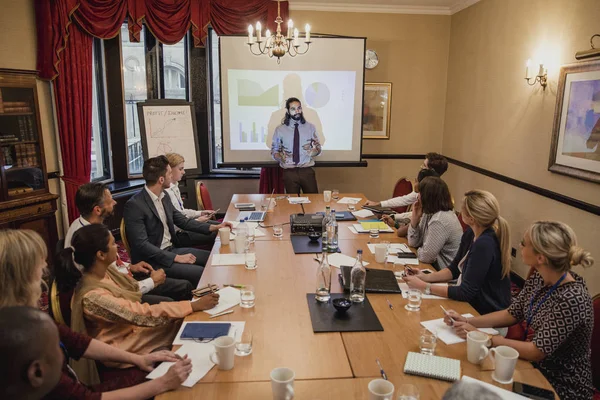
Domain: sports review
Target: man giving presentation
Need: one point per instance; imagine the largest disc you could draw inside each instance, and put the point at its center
(295, 143)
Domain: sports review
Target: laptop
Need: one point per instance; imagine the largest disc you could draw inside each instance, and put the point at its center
(254, 216)
(378, 280)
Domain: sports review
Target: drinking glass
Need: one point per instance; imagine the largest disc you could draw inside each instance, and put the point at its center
(278, 230)
(414, 300)
(374, 233)
(427, 342)
(387, 245)
(352, 206)
(250, 259)
(251, 233)
(408, 392)
(335, 194)
(243, 347)
(327, 196)
(247, 296)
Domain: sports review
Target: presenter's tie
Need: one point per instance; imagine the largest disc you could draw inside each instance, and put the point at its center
(296, 154)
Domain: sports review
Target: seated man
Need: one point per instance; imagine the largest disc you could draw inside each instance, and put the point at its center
(150, 221)
(95, 203)
(29, 368)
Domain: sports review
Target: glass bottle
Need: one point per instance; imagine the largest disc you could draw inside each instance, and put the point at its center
(332, 232)
(324, 236)
(323, 292)
(358, 277)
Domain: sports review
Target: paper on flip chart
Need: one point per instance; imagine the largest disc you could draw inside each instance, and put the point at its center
(228, 259)
(404, 287)
(393, 247)
(362, 213)
(349, 200)
(503, 393)
(446, 333)
(228, 297)
(405, 261)
(339, 259)
(235, 331)
(199, 353)
(299, 200)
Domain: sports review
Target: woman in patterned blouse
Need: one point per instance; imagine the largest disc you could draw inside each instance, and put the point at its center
(556, 305)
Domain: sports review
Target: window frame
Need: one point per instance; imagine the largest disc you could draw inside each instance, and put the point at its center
(99, 71)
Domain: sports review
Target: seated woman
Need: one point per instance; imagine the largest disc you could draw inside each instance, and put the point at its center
(187, 238)
(22, 263)
(106, 303)
(482, 264)
(555, 304)
(434, 227)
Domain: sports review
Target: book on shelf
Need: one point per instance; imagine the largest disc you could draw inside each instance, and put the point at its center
(9, 110)
(8, 138)
(19, 190)
(30, 130)
(22, 128)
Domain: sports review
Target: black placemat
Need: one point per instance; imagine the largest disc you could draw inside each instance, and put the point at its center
(325, 318)
(303, 245)
(348, 216)
(377, 281)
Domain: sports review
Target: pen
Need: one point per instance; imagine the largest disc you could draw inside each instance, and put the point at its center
(220, 314)
(383, 375)
(389, 304)
(235, 286)
(448, 315)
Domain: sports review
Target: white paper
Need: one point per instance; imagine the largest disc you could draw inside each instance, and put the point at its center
(235, 331)
(363, 213)
(228, 259)
(503, 393)
(405, 261)
(393, 247)
(299, 200)
(352, 229)
(349, 200)
(339, 259)
(360, 229)
(446, 333)
(228, 297)
(404, 287)
(199, 353)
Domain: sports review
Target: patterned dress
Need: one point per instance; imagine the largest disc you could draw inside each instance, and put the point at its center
(562, 329)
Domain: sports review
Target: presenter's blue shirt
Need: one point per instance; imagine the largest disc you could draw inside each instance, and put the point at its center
(283, 144)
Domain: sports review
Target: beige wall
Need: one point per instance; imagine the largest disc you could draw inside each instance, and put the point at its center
(494, 120)
(18, 46)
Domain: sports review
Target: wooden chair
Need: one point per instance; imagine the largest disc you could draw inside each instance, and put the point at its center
(203, 197)
(60, 304)
(124, 235)
(402, 188)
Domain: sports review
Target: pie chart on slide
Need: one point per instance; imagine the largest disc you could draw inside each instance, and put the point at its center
(317, 95)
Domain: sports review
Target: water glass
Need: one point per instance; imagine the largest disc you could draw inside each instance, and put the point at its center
(414, 300)
(251, 233)
(250, 260)
(243, 347)
(247, 296)
(374, 233)
(427, 342)
(327, 196)
(335, 194)
(352, 206)
(408, 392)
(278, 231)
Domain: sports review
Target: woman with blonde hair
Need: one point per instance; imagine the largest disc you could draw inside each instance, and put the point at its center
(482, 264)
(555, 304)
(22, 264)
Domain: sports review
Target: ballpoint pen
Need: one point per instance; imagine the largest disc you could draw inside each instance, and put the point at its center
(448, 315)
(389, 304)
(383, 375)
(220, 314)
(235, 286)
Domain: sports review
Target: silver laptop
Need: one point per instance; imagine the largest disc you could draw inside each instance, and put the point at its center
(254, 216)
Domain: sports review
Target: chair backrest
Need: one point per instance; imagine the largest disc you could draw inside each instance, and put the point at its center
(124, 235)
(596, 343)
(462, 223)
(402, 188)
(199, 203)
(203, 197)
(60, 304)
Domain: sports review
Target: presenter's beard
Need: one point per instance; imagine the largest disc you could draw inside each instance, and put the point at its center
(297, 117)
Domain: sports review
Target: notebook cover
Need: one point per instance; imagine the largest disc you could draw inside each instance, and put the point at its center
(378, 280)
(348, 216)
(325, 318)
(446, 369)
(205, 331)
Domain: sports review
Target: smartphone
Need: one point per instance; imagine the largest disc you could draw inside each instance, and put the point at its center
(532, 392)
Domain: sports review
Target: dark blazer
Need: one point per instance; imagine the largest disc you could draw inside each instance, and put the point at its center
(145, 230)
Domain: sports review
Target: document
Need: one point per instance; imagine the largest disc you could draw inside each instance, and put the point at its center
(368, 225)
(393, 248)
(228, 259)
(299, 200)
(503, 393)
(362, 213)
(199, 353)
(406, 261)
(446, 333)
(229, 297)
(360, 229)
(349, 200)
(236, 330)
(352, 229)
(339, 259)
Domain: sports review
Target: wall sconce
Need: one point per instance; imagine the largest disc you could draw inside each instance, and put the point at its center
(541, 77)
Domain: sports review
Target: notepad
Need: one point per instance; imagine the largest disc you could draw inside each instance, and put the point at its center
(339, 259)
(374, 225)
(393, 247)
(199, 353)
(299, 200)
(228, 297)
(349, 200)
(199, 330)
(362, 213)
(445, 369)
(228, 259)
(359, 228)
(446, 333)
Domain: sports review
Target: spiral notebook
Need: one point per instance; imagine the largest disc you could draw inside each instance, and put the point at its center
(445, 369)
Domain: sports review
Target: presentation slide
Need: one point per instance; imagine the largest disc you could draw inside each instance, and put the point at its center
(328, 81)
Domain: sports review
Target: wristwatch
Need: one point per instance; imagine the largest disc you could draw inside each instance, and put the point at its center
(428, 288)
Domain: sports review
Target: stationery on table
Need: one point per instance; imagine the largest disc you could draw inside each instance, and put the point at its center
(446, 333)
(235, 331)
(204, 290)
(376, 281)
(202, 331)
(298, 200)
(349, 200)
(339, 259)
(228, 259)
(446, 369)
(362, 213)
(199, 353)
(352, 229)
(392, 259)
(221, 314)
(228, 297)
(393, 248)
(446, 314)
(374, 224)
(381, 371)
(503, 393)
(361, 229)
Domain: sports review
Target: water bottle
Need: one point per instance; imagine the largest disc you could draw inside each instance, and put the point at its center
(324, 236)
(358, 278)
(323, 292)
(241, 233)
(332, 232)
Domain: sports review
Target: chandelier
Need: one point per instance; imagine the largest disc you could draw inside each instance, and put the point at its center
(277, 45)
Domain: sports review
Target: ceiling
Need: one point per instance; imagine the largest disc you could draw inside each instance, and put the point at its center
(439, 7)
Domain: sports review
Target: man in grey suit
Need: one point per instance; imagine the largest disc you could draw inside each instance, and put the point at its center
(150, 220)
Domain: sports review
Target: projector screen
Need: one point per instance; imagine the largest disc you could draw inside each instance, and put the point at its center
(328, 80)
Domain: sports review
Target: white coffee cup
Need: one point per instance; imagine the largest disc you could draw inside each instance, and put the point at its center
(505, 359)
(380, 253)
(282, 383)
(327, 196)
(380, 389)
(224, 352)
(477, 343)
(224, 234)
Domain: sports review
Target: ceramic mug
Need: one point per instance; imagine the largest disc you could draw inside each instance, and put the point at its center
(477, 343)
(224, 234)
(505, 359)
(224, 352)
(380, 389)
(282, 383)
(380, 253)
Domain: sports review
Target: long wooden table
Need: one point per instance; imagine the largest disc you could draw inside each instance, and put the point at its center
(327, 365)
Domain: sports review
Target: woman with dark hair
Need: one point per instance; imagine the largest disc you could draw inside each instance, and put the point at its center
(434, 227)
(106, 303)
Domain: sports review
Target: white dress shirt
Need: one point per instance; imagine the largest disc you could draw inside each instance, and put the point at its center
(160, 209)
(175, 196)
(401, 201)
(145, 285)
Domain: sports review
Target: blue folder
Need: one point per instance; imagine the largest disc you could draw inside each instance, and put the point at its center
(204, 331)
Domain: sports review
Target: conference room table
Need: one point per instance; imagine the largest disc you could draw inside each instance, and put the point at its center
(326, 365)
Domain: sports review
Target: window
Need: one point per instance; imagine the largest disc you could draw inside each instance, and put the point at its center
(175, 69)
(100, 145)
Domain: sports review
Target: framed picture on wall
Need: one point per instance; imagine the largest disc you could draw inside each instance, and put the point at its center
(575, 149)
(376, 110)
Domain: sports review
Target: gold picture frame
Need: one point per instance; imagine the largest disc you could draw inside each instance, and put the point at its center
(377, 110)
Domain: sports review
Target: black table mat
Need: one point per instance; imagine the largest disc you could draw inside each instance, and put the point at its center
(348, 216)
(325, 318)
(303, 245)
